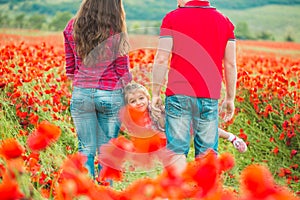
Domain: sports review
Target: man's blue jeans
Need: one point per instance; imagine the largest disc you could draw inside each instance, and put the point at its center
(95, 115)
(182, 112)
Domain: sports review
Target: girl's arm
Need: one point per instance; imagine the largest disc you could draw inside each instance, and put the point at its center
(160, 120)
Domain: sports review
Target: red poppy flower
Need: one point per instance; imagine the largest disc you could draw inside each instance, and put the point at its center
(15, 166)
(74, 180)
(294, 166)
(145, 188)
(116, 152)
(110, 173)
(75, 162)
(9, 188)
(293, 153)
(276, 150)
(11, 148)
(43, 136)
(257, 181)
(204, 172)
(226, 161)
(2, 85)
(123, 143)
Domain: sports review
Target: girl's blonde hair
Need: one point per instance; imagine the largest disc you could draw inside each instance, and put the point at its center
(134, 87)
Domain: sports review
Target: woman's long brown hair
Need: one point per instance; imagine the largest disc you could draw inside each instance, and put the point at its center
(95, 22)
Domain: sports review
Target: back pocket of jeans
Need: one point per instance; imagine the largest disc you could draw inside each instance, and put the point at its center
(176, 105)
(76, 105)
(209, 109)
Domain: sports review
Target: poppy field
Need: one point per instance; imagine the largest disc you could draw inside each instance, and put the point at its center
(38, 144)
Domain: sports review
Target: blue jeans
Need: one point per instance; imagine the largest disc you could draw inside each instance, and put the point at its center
(95, 114)
(182, 112)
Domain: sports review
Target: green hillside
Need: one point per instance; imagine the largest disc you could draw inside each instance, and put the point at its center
(244, 4)
(268, 19)
(271, 22)
(143, 10)
(278, 20)
(155, 10)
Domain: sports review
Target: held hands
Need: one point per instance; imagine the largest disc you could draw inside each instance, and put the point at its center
(227, 108)
(157, 107)
(70, 77)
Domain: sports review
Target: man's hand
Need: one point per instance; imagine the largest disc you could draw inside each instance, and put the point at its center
(227, 107)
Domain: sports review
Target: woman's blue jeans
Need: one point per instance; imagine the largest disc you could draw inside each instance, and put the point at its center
(95, 114)
(182, 112)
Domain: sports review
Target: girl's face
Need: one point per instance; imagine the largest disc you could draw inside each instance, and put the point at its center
(138, 100)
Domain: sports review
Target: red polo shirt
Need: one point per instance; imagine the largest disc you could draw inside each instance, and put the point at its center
(200, 34)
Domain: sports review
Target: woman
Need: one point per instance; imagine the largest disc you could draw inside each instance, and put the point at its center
(96, 61)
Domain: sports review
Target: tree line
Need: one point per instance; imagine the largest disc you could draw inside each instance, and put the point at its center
(35, 21)
(60, 19)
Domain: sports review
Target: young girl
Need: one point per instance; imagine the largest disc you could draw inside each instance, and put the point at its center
(137, 99)
(147, 140)
(145, 132)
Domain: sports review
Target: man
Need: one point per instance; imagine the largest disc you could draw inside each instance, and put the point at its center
(201, 43)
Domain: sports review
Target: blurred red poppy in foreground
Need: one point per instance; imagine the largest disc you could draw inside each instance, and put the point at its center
(11, 148)
(9, 188)
(112, 157)
(45, 134)
(74, 182)
(257, 183)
